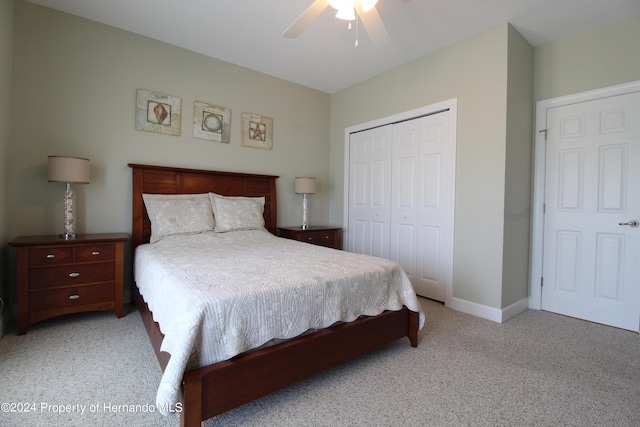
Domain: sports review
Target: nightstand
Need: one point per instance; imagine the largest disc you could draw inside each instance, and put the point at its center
(57, 276)
(316, 235)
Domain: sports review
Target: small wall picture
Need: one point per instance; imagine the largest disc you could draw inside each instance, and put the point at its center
(157, 112)
(211, 122)
(257, 131)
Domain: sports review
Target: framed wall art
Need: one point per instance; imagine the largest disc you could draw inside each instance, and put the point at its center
(257, 131)
(157, 112)
(211, 122)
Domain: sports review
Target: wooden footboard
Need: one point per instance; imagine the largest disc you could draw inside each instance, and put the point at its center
(261, 372)
(217, 388)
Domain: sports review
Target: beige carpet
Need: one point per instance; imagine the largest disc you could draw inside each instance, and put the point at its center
(537, 369)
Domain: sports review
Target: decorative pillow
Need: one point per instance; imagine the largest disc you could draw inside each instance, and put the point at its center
(237, 213)
(178, 214)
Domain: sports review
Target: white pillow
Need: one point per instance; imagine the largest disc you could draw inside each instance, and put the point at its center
(237, 213)
(178, 214)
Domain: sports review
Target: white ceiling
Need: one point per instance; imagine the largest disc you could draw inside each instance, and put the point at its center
(249, 32)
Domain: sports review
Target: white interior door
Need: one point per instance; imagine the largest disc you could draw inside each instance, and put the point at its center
(370, 191)
(591, 254)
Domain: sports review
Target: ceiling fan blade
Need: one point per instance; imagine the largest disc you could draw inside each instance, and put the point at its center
(374, 25)
(307, 17)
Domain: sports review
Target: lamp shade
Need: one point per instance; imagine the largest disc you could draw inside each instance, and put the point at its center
(74, 170)
(305, 185)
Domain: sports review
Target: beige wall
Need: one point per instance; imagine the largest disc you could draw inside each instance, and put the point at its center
(75, 90)
(606, 56)
(6, 64)
(75, 87)
(475, 72)
(515, 262)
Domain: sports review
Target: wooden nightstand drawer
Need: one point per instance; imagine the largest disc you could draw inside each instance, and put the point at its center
(316, 235)
(47, 256)
(51, 277)
(95, 253)
(63, 255)
(71, 297)
(56, 276)
(319, 238)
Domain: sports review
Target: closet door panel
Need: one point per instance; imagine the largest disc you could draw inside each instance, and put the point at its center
(357, 235)
(429, 241)
(430, 182)
(404, 195)
(405, 248)
(379, 239)
(435, 205)
(428, 276)
(369, 191)
(359, 204)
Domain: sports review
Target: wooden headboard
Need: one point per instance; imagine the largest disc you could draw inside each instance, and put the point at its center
(170, 180)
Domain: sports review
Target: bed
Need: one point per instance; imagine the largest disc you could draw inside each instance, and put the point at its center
(207, 391)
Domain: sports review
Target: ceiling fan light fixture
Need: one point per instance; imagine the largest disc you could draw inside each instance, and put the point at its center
(367, 5)
(349, 10)
(341, 4)
(347, 13)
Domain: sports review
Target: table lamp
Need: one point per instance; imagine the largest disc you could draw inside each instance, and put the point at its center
(70, 170)
(304, 186)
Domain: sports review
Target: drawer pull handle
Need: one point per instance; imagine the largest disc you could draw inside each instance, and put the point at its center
(75, 296)
(51, 256)
(309, 238)
(95, 253)
(74, 274)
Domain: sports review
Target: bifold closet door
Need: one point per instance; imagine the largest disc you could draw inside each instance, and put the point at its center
(401, 194)
(422, 201)
(370, 191)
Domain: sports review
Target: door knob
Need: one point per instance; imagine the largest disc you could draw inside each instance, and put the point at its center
(632, 223)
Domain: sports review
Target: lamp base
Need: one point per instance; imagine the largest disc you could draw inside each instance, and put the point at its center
(69, 233)
(304, 212)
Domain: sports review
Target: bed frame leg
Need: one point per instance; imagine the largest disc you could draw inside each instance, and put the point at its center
(414, 323)
(191, 415)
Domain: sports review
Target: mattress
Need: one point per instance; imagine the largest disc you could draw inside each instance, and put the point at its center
(217, 295)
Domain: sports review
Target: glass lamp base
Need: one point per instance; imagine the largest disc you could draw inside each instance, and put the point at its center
(304, 212)
(69, 233)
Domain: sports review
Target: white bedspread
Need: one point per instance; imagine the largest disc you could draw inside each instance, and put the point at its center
(216, 295)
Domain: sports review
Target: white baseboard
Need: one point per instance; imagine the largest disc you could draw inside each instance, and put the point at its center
(515, 309)
(490, 313)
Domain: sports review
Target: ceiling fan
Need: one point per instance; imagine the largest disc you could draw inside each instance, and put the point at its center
(349, 10)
